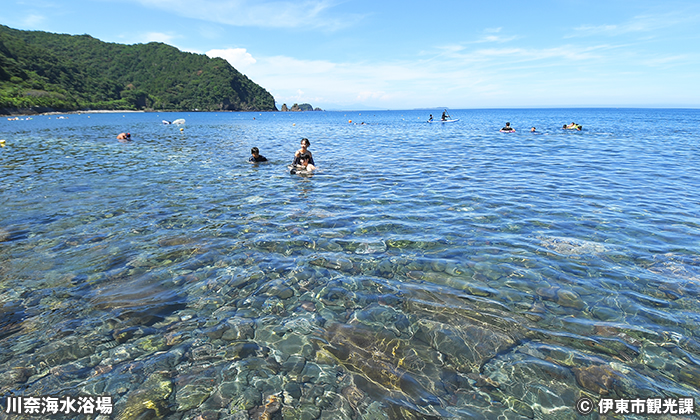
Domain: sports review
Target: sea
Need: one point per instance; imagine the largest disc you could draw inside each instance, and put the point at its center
(423, 271)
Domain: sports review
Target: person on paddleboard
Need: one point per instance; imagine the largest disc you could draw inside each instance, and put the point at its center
(431, 118)
(445, 115)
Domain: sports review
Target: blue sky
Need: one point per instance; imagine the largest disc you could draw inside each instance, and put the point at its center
(406, 54)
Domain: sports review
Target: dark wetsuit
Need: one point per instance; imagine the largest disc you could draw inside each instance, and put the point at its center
(298, 159)
(260, 158)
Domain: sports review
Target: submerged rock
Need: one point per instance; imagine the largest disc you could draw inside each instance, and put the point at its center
(377, 355)
(571, 246)
(600, 379)
(192, 396)
(151, 396)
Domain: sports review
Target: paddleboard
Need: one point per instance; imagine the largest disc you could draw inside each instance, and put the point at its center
(446, 121)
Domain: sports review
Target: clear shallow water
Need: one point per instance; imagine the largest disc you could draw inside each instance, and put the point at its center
(428, 270)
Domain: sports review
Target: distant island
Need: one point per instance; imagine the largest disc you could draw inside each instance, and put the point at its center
(45, 72)
(299, 107)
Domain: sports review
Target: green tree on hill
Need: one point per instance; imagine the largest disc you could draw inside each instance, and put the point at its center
(41, 71)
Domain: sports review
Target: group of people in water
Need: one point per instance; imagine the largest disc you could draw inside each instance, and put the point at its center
(445, 116)
(508, 128)
(303, 159)
(572, 126)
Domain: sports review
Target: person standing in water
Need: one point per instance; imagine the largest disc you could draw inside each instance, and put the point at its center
(303, 159)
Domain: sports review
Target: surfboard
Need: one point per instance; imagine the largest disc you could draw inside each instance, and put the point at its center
(446, 121)
(179, 121)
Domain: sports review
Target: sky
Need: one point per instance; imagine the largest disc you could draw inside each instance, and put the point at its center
(355, 55)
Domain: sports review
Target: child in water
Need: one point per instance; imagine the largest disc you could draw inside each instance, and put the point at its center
(256, 156)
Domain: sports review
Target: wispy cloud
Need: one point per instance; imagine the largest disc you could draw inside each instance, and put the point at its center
(33, 21)
(642, 23)
(496, 38)
(455, 72)
(492, 35)
(671, 60)
(316, 14)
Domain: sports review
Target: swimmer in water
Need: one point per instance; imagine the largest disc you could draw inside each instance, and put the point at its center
(507, 128)
(256, 156)
(124, 136)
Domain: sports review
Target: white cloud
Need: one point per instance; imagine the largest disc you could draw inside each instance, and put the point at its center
(237, 57)
(455, 76)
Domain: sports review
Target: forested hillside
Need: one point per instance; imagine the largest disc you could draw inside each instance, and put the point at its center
(41, 71)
